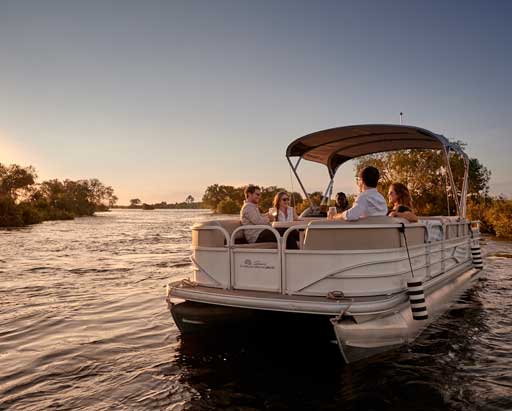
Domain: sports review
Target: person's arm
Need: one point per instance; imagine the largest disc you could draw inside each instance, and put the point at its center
(359, 209)
(404, 212)
(408, 215)
(255, 217)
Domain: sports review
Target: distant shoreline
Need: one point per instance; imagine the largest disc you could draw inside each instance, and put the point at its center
(158, 208)
(176, 206)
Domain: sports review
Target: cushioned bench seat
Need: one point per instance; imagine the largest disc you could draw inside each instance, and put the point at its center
(215, 238)
(323, 235)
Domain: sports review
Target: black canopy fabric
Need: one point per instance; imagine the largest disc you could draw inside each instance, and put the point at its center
(335, 146)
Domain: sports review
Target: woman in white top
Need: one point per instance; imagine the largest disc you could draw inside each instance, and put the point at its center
(283, 212)
(282, 209)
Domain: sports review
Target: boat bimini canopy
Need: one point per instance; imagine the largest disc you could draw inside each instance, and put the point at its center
(335, 146)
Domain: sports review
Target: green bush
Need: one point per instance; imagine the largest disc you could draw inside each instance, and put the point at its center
(29, 214)
(479, 210)
(10, 216)
(499, 217)
(228, 206)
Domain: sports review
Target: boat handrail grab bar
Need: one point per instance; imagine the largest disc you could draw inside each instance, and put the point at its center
(256, 227)
(213, 227)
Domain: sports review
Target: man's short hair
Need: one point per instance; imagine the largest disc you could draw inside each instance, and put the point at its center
(250, 189)
(370, 176)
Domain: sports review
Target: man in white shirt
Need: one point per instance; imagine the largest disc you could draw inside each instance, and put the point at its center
(369, 202)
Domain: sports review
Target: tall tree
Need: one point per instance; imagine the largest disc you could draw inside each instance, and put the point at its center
(134, 202)
(424, 173)
(15, 178)
(215, 193)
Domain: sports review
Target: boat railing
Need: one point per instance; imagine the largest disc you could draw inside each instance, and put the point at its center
(274, 268)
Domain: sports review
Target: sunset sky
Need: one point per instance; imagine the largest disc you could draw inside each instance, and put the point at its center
(162, 98)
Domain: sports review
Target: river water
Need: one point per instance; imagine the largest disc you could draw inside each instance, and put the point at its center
(84, 326)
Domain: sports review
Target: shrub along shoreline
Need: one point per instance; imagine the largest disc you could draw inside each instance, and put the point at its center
(23, 201)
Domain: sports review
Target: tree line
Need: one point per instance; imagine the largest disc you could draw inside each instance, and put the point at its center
(25, 201)
(226, 199)
(189, 203)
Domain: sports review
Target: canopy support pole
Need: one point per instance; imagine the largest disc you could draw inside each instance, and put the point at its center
(294, 169)
(452, 182)
(465, 186)
(328, 191)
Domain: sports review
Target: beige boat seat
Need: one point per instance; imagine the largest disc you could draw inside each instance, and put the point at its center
(215, 238)
(351, 236)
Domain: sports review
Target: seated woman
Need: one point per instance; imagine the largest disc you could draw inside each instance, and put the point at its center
(283, 212)
(400, 198)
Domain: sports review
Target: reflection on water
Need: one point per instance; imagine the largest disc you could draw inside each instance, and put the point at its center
(83, 325)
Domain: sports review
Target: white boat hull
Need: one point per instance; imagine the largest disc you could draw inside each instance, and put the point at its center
(361, 340)
(369, 326)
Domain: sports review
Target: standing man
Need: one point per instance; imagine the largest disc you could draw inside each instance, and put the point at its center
(369, 202)
(250, 215)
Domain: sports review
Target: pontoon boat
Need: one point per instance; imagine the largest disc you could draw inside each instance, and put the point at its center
(378, 282)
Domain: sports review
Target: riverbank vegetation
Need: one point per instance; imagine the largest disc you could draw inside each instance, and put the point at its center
(24, 201)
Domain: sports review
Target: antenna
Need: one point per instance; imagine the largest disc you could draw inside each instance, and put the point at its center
(401, 114)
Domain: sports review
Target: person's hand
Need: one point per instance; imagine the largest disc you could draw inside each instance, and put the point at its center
(393, 214)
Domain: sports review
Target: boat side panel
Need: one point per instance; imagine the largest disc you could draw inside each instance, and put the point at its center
(212, 267)
(379, 273)
(257, 269)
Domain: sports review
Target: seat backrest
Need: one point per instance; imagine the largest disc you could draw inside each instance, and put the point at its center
(213, 238)
(323, 235)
